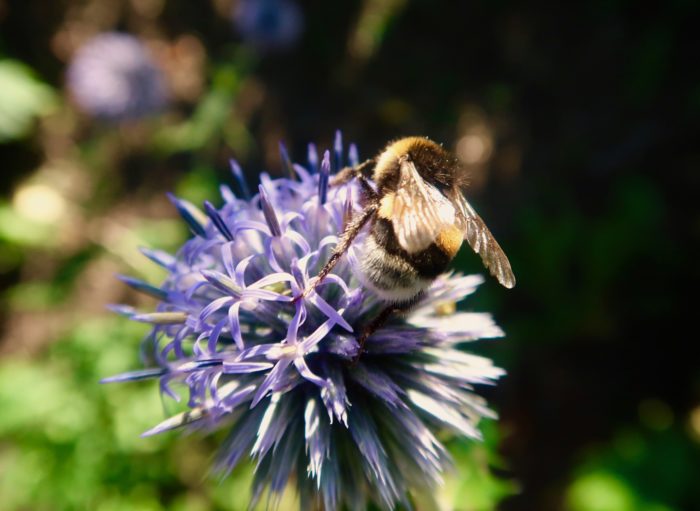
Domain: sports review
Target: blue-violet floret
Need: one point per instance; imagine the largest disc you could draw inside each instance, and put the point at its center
(277, 370)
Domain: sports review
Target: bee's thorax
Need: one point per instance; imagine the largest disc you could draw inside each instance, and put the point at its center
(432, 161)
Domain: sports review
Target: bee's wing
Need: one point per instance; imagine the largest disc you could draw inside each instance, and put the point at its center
(482, 241)
(419, 211)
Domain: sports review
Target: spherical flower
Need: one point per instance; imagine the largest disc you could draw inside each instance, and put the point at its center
(278, 369)
(269, 25)
(113, 77)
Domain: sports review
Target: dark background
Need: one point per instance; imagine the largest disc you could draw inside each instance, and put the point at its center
(583, 123)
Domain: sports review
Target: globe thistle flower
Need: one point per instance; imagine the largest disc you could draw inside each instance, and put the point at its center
(113, 77)
(277, 369)
(269, 25)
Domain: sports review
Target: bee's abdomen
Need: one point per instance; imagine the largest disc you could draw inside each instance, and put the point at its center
(391, 272)
(428, 263)
(392, 278)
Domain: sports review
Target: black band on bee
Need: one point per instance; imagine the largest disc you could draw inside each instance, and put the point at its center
(428, 263)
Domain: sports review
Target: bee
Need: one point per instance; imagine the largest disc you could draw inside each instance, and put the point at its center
(411, 197)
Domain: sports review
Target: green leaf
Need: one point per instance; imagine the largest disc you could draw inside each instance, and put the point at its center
(24, 98)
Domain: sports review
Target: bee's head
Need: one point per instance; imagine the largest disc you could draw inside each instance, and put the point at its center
(434, 164)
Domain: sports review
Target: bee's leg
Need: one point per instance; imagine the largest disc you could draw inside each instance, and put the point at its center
(346, 174)
(382, 318)
(375, 325)
(368, 193)
(351, 231)
(343, 176)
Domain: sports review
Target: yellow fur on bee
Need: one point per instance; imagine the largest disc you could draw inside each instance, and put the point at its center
(395, 150)
(449, 240)
(386, 206)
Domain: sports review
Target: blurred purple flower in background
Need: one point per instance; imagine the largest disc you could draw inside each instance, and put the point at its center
(269, 25)
(276, 369)
(114, 77)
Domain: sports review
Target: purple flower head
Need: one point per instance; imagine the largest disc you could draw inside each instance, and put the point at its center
(269, 25)
(276, 368)
(113, 77)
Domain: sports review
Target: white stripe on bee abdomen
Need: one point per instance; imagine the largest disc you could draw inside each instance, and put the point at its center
(390, 277)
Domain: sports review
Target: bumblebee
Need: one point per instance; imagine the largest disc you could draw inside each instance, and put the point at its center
(412, 199)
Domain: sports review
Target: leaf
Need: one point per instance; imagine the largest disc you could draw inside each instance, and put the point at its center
(24, 98)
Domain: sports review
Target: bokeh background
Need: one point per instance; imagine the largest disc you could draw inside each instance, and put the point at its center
(579, 122)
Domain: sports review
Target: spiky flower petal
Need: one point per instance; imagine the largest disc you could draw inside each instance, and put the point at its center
(276, 368)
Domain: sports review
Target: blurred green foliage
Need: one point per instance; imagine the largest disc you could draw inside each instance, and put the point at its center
(642, 469)
(69, 443)
(24, 98)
